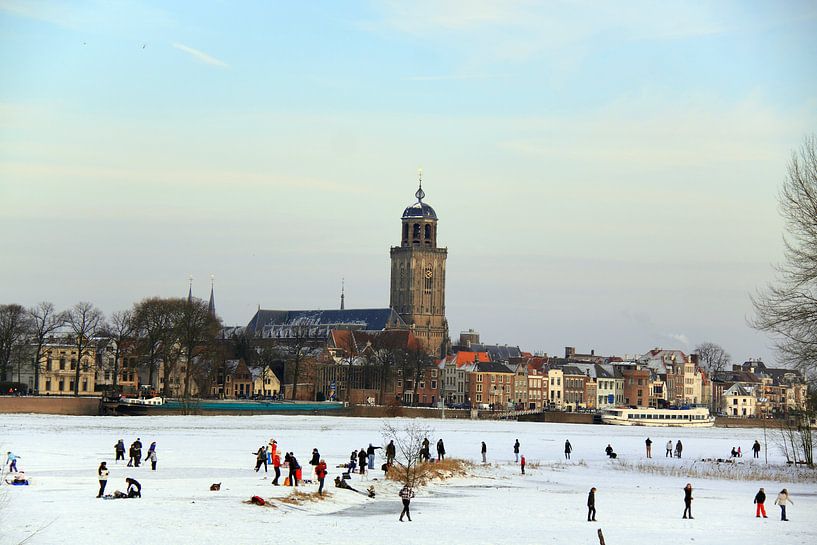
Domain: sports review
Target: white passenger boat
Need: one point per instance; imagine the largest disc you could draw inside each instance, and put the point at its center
(687, 417)
(141, 401)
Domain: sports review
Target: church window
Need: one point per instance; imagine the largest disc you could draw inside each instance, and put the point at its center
(416, 232)
(428, 233)
(405, 231)
(429, 278)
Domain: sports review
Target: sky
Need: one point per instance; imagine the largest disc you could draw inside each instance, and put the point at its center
(605, 173)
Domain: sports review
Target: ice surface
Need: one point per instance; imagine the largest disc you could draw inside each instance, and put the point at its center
(498, 505)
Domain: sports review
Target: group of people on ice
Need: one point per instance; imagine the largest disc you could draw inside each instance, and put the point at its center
(133, 488)
(135, 453)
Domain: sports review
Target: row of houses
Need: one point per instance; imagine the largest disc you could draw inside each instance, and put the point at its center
(60, 359)
(350, 366)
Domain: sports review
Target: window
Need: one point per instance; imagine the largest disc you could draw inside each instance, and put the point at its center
(48, 364)
(73, 365)
(71, 387)
(433, 384)
(47, 385)
(62, 365)
(61, 386)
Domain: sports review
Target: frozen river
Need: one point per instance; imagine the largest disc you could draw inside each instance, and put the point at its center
(495, 505)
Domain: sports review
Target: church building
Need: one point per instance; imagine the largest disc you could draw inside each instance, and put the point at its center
(418, 276)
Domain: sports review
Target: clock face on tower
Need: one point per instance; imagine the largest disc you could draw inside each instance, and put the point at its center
(429, 274)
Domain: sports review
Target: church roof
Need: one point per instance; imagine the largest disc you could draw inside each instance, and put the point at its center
(419, 210)
(366, 319)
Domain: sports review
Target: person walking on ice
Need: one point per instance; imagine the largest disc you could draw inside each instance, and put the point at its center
(591, 505)
(678, 448)
(688, 501)
(760, 500)
(102, 474)
(782, 500)
(406, 493)
(648, 443)
(669, 449)
(516, 451)
(261, 459)
(11, 460)
(151, 455)
(568, 449)
(484, 453)
(320, 471)
(756, 449)
(522, 464)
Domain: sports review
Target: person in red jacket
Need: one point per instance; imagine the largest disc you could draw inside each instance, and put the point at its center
(276, 465)
(522, 464)
(320, 470)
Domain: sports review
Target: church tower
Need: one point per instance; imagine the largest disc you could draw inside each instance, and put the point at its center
(418, 276)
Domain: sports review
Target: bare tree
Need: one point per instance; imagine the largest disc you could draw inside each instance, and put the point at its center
(84, 321)
(15, 327)
(155, 322)
(408, 443)
(121, 330)
(713, 358)
(45, 321)
(788, 308)
(197, 329)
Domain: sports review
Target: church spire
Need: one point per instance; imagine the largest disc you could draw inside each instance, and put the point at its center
(190, 290)
(420, 194)
(212, 305)
(342, 294)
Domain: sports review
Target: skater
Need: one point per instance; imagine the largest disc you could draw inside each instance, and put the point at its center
(733, 453)
(276, 466)
(440, 450)
(740, 454)
(756, 449)
(119, 449)
(760, 500)
(391, 451)
(370, 455)
(591, 505)
(484, 453)
(568, 449)
(609, 450)
(669, 449)
(406, 494)
(134, 489)
(688, 501)
(320, 471)
(293, 470)
(102, 474)
(316, 458)
(522, 464)
(678, 448)
(11, 460)
(516, 451)
(261, 459)
(362, 457)
(273, 448)
(782, 500)
(648, 443)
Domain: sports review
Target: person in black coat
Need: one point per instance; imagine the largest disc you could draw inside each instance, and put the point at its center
(293, 470)
(609, 450)
(568, 449)
(119, 448)
(134, 488)
(484, 453)
(756, 448)
(516, 450)
(391, 452)
(760, 500)
(591, 505)
(688, 501)
(440, 450)
(261, 458)
(316, 457)
(361, 459)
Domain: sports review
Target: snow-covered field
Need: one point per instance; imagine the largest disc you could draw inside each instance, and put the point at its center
(496, 505)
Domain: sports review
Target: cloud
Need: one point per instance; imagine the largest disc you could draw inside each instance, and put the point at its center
(201, 55)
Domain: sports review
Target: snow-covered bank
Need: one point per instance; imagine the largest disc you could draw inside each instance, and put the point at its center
(497, 505)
